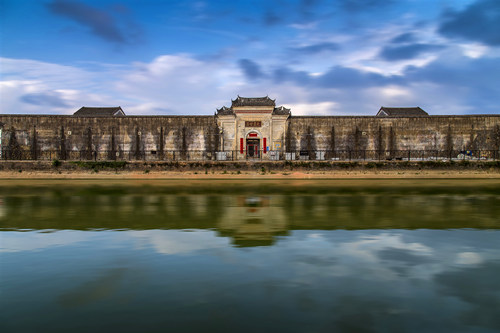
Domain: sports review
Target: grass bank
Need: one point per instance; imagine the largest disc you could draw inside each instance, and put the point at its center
(252, 186)
(258, 166)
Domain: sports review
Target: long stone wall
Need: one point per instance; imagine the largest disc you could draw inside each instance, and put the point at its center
(159, 137)
(384, 134)
(130, 137)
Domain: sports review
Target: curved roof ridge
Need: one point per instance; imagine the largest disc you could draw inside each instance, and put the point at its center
(253, 101)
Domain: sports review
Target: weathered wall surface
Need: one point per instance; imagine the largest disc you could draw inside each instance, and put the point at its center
(160, 137)
(113, 137)
(380, 134)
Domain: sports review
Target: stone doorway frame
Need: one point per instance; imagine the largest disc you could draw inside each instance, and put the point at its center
(253, 139)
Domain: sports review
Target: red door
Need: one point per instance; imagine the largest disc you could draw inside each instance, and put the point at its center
(253, 148)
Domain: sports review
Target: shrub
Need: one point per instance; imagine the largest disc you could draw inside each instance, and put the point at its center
(370, 165)
(100, 165)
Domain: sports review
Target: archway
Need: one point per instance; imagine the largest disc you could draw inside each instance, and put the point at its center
(253, 145)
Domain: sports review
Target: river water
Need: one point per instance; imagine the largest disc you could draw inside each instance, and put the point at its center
(330, 262)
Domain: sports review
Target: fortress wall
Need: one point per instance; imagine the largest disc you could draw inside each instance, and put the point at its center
(136, 136)
(117, 135)
(415, 133)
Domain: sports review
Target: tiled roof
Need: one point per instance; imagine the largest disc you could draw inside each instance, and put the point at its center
(253, 101)
(86, 111)
(401, 112)
(224, 111)
(281, 110)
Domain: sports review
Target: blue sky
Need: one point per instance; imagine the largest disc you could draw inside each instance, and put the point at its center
(344, 57)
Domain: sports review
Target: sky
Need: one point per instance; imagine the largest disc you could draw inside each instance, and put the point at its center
(317, 57)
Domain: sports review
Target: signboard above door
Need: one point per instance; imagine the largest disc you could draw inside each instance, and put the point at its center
(253, 124)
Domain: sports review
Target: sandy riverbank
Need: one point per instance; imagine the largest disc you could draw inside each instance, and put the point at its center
(258, 170)
(347, 174)
(125, 182)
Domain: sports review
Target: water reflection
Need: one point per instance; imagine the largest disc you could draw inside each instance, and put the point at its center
(252, 221)
(293, 263)
(241, 216)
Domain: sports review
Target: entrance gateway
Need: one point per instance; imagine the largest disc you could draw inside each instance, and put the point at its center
(253, 145)
(252, 128)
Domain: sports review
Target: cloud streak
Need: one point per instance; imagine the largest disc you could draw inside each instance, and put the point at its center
(407, 37)
(44, 99)
(364, 5)
(479, 22)
(405, 52)
(100, 23)
(316, 48)
(251, 69)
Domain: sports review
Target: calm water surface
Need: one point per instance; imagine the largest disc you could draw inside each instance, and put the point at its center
(244, 263)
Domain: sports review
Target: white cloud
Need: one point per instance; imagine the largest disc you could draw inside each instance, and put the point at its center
(468, 258)
(304, 26)
(177, 241)
(474, 50)
(176, 84)
(359, 254)
(180, 84)
(395, 92)
(14, 241)
(391, 95)
(69, 87)
(315, 109)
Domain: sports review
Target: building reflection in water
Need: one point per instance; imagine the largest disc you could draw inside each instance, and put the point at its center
(253, 221)
(246, 220)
